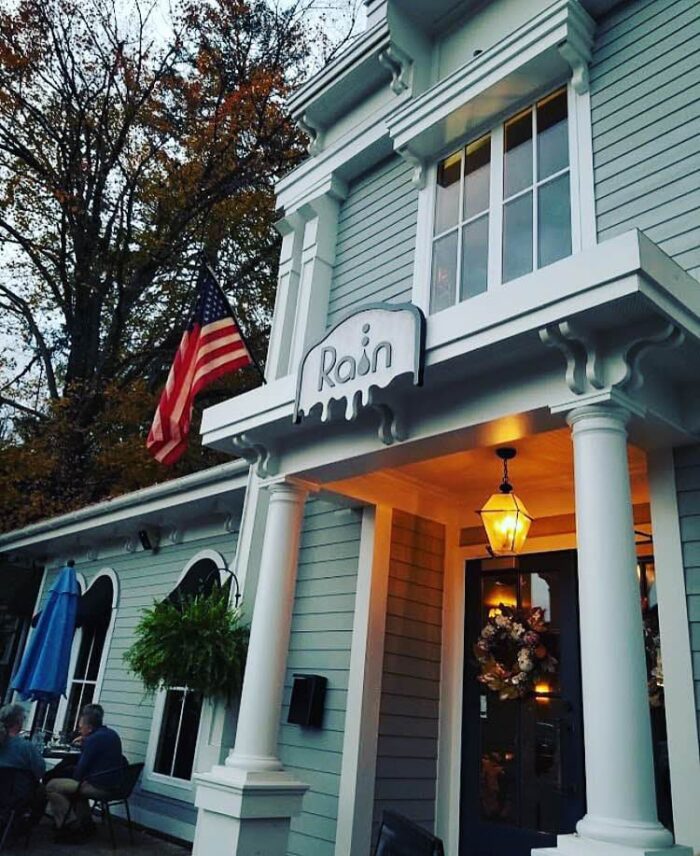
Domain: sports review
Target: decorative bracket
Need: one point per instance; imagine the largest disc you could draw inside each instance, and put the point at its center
(576, 49)
(91, 554)
(418, 177)
(257, 455)
(231, 524)
(175, 535)
(313, 132)
(400, 65)
(594, 363)
(130, 544)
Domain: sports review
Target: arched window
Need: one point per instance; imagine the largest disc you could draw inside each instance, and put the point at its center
(178, 709)
(94, 623)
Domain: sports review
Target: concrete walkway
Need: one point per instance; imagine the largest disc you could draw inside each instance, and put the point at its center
(42, 844)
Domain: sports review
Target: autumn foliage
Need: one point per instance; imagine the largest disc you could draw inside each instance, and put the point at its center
(128, 145)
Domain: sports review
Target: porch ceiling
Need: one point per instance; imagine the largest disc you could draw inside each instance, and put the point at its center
(542, 475)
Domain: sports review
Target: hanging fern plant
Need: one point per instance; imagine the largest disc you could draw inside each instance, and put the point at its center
(198, 642)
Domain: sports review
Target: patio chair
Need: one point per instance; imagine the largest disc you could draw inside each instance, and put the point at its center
(17, 800)
(399, 836)
(115, 794)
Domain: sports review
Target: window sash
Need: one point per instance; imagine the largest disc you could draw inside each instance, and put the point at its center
(166, 762)
(498, 200)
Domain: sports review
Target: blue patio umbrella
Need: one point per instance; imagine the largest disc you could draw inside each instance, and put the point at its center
(43, 673)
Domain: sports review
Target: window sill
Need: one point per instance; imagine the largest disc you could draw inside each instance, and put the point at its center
(165, 786)
(539, 54)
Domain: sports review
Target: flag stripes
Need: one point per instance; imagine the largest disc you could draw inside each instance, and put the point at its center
(211, 346)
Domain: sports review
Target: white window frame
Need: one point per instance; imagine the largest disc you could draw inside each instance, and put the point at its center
(581, 191)
(206, 751)
(60, 723)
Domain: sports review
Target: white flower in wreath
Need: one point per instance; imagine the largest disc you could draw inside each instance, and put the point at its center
(525, 661)
(501, 621)
(488, 631)
(518, 630)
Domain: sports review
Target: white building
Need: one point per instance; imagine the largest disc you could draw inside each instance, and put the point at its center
(527, 175)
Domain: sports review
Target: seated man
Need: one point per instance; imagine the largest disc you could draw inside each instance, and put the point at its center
(21, 754)
(95, 773)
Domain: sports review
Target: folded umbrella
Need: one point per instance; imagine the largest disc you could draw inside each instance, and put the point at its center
(43, 672)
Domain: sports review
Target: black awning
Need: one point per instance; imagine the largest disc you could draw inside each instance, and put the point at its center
(95, 606)
(201, 578)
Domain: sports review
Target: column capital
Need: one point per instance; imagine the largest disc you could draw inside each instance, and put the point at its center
(609, 417)
(287, 490)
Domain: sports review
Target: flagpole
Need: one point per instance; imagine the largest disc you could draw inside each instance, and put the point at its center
(256, 364)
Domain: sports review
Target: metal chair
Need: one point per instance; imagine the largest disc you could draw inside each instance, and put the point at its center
(17, 801)
(114, 794)
(399, 836)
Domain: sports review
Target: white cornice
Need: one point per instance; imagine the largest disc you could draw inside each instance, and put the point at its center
(176, 494)
(549, 47)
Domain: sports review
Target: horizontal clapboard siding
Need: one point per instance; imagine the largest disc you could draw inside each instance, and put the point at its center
(688, 486)
(320, 642)
(143, 578)
(376, 240)
(645, 102)
(409, 708)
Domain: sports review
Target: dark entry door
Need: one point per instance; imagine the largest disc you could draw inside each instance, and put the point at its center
(522, 759)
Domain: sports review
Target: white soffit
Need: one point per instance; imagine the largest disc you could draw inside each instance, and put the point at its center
(542, 52)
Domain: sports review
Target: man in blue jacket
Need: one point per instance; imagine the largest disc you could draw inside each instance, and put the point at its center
(97, 771)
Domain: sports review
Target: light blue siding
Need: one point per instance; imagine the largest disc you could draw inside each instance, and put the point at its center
(688, 487)
(645, 102)
(376, 240)
(407, 746)
(144, 577)
(320, 644)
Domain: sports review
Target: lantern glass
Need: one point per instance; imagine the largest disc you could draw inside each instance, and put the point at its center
(507, 523)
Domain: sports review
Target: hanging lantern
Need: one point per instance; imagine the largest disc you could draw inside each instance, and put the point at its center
(505, 518)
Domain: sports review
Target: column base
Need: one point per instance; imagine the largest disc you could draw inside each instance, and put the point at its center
(242, 812)
(577, 845)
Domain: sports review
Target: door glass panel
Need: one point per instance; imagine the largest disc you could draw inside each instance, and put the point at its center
(475, 252)
(554, 221)
(444, 276)
(447, 198)
(517, 237)
(523, 740)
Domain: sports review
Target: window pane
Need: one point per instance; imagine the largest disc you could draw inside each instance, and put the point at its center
(477, 177)
(80, 695)
(444, 277)
(96, 656)
(517, 237)
(554, 221)
(552, 135)
(447, 198)
(475, 254)
(517, 173)
(84, 652)
(168, 732)
(187, 743)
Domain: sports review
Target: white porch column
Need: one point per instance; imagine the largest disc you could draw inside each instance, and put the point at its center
(621, 819)
(245, 806)
(261, 698)
(617, 733)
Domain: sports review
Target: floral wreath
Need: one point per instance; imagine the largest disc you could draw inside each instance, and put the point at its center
(512, 651)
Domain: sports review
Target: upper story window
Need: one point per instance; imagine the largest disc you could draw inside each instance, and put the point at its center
(503, 204)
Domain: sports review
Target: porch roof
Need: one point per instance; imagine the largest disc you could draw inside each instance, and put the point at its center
(491, 346)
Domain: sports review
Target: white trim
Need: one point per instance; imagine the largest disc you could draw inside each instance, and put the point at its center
(420, 295)
(213, 556)
(158, 783)
(156, 820)
(359, 759)
(449, 768)
(681, 716)
(581, 143)
(112, 574)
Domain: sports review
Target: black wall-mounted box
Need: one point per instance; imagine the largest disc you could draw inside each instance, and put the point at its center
(307, 701)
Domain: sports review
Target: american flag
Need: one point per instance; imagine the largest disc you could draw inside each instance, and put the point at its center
(211, 346)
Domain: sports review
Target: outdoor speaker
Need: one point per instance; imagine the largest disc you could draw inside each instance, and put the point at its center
(307, 700)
